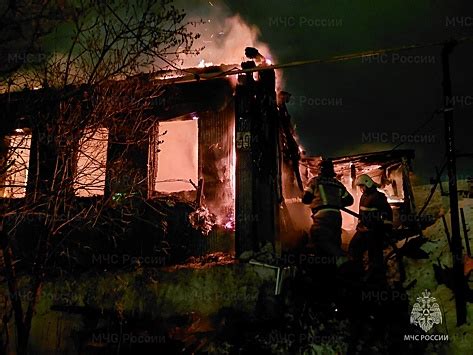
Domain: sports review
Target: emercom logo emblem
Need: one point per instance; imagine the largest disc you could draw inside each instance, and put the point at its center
(426, 312)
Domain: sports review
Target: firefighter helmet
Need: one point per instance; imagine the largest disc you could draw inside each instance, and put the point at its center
(326, 168)
(365, 180)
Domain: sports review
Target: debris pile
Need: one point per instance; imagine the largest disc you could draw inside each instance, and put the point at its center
(202, 220)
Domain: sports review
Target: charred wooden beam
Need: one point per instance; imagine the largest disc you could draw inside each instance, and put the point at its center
(257, 168)
(200, 187)
(245, 167)
(408, 191)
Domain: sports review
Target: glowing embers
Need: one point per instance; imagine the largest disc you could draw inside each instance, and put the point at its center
(89, 179)
(177, 159)
(16, 162)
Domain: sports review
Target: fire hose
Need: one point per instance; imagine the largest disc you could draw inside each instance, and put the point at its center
(394, 252)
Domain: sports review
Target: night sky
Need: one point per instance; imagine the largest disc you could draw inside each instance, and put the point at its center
(360, 106)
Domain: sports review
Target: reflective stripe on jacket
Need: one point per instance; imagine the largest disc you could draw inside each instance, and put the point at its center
(328, 192)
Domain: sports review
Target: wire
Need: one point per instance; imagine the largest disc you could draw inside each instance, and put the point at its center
(339, 58)
(432, 116)
(346, 57)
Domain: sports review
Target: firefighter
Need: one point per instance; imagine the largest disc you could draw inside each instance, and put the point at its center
(326, 195)
(375, 223)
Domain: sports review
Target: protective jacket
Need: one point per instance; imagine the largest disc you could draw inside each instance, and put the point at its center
(328, 194)
(375, 211)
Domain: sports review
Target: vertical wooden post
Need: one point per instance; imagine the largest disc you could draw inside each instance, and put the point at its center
(244, 167)
(257, 134)
(408, 191)
(457, 253)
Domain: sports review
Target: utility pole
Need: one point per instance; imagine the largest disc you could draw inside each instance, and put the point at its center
(457, 252)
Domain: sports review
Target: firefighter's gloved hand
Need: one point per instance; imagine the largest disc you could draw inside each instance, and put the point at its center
(341, 260)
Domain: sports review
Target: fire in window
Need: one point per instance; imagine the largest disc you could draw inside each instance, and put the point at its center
(14, 174)
(176, 162)
(91, 163)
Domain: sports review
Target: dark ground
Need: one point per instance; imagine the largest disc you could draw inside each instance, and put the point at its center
(362, 319)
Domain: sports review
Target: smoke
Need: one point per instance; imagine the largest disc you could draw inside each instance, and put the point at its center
(224, 41)
(224, 37)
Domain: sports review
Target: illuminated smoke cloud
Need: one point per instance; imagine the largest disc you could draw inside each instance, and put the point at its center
(224, 37)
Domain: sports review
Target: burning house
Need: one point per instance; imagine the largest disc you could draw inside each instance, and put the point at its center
(206, 149)
(169, 164)
(217, 154)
